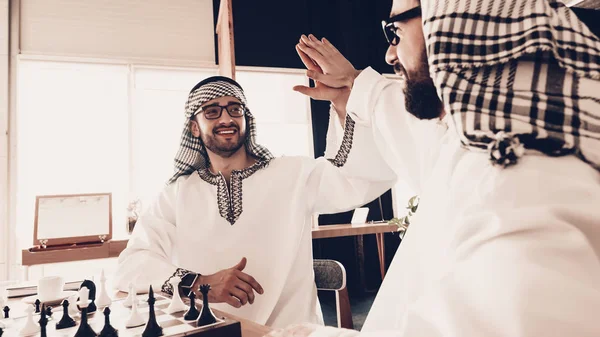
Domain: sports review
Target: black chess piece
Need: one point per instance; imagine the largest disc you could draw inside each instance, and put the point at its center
(206, 315)
(66, 321)
(85, 330)
(43, 322)
(192, 313)
(108, 330)
(49, 312)
(152, 327)
(37, 305)
(92, 287)
(6, 310)
(1, 331)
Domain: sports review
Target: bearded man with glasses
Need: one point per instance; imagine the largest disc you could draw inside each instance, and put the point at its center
(497, 127)
(237, 218)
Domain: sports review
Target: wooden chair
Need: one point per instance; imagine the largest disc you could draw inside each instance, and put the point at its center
(330, 275)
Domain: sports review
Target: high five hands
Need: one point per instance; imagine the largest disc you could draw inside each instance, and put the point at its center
(333, 74)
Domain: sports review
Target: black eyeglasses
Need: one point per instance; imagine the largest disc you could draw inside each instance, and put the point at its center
(215, 111)
(389, 29)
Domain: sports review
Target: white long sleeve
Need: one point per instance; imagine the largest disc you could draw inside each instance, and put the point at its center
(507, 261)
(409, 144)
(355, 175)
(147, 260)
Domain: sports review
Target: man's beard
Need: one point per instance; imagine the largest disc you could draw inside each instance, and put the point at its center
(420, 96)
(224, 149)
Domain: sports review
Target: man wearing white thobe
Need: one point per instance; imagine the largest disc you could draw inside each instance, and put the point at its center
(240, 220)
(505, 242)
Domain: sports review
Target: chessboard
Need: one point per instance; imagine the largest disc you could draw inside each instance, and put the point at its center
(173, 325)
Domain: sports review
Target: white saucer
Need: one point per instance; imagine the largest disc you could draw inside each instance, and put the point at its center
(65, 294)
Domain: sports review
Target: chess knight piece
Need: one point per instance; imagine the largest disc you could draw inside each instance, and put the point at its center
(206, 315)
(92, 290)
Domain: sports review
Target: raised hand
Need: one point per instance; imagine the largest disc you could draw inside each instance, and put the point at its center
(338, 71)
(333, 74)
(231, 286)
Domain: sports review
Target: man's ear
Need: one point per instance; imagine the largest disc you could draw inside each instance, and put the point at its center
(194, 128)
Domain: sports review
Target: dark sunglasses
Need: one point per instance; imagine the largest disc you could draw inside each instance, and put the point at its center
(389, 29)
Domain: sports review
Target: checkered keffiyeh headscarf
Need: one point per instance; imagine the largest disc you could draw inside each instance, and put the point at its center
(516, 74)
(192, 155)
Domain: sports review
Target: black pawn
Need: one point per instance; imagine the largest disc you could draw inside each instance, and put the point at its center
(43, 322)
(6, 310)
(108, 330)
(152, 327)
(92, 287)
(49, 312)
(37, 306)
(66, 321)
(206, 315)
(192, 313)
(85, 330)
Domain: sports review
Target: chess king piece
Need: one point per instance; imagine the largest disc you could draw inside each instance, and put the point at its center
(85, 330)
(43, 322)
(192, 313)
(108, 330)
(65, 321)
(30, 328)
(152, 327)
(206, 315)
(92, 289)
(176, 304)
(103, 298)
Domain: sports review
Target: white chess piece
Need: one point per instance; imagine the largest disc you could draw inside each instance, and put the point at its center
(131, 296)
(176, 304)
(135, 319)
(73, 310)
(30, 328)
(103, 299)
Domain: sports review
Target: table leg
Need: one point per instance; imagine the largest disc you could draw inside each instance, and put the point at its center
(360, 259)
(381, 251)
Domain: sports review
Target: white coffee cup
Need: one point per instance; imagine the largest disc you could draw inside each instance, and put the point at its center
(50, 288)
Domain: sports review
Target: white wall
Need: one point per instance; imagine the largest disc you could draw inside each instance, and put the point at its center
(4, 22)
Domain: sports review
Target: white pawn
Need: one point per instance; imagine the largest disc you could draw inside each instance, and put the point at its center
(73, 310)
(131, 297)
(176, 304)
(103, 299)
(30, 328)
(135, 319)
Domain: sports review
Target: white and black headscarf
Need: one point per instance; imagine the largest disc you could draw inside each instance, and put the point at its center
(192, 155)
(516, 74)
